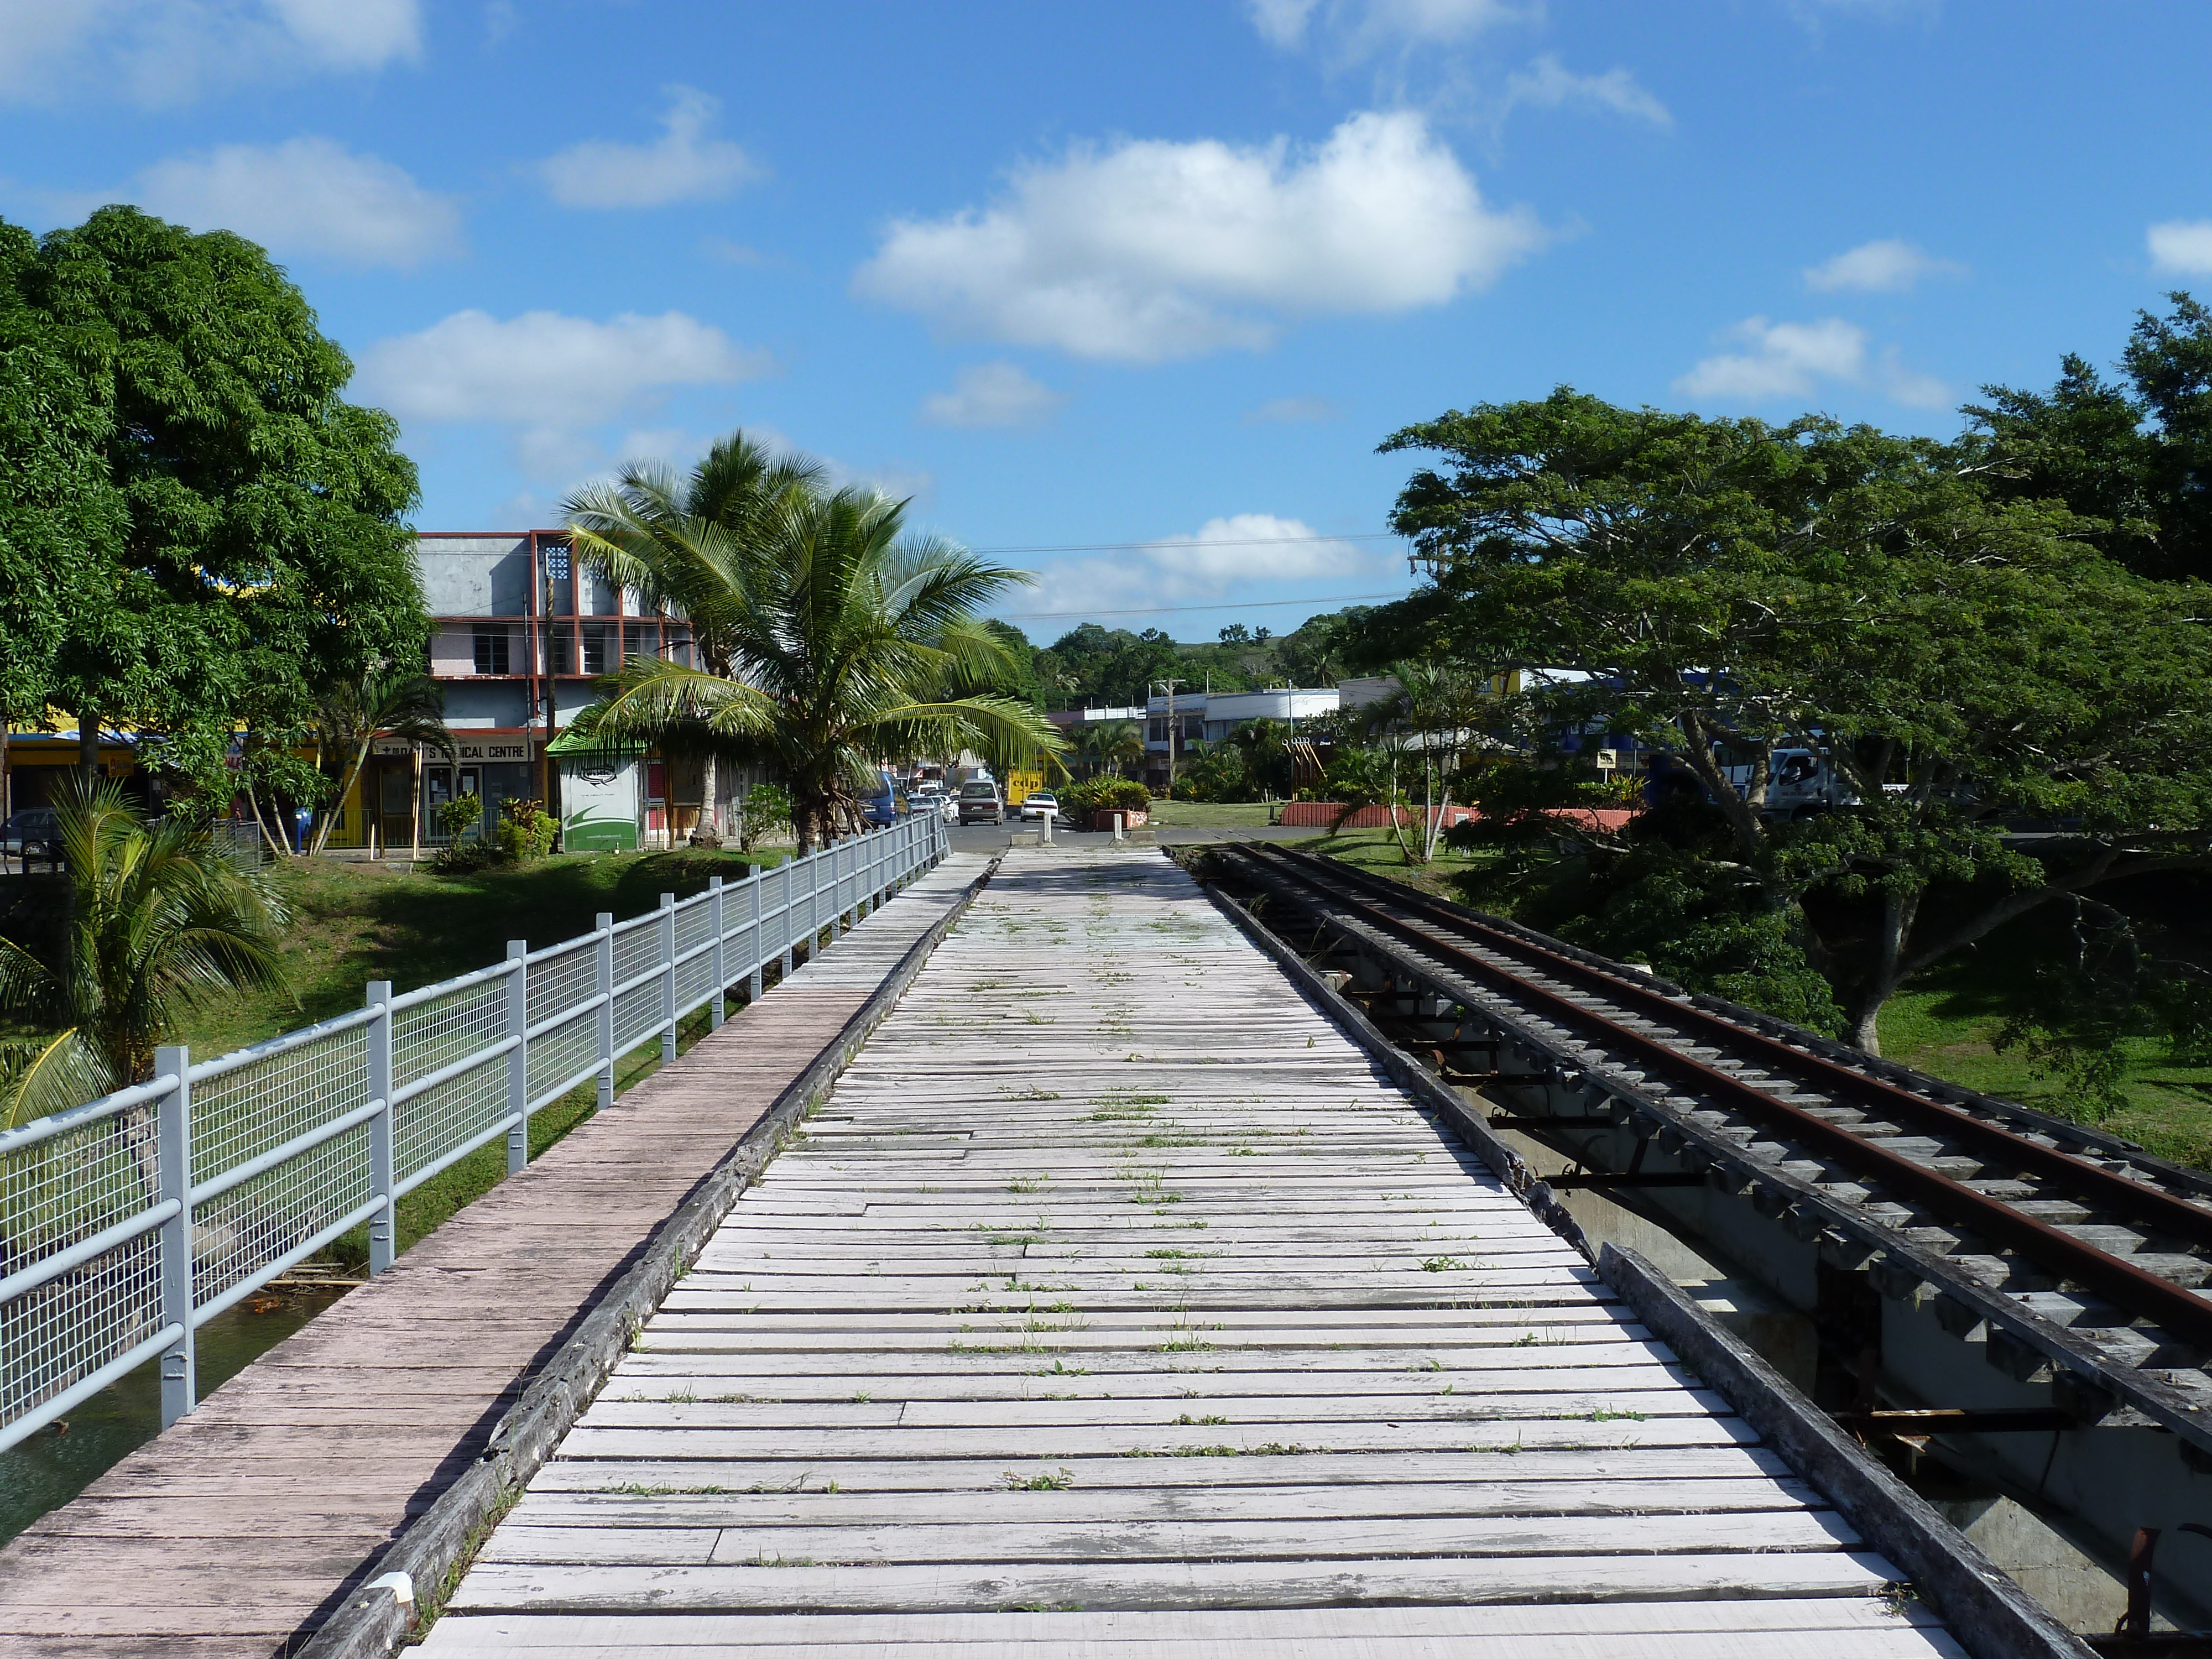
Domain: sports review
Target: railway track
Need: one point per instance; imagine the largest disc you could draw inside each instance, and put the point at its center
(2081, 1262)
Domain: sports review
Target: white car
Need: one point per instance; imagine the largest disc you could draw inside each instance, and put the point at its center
(1040, 804)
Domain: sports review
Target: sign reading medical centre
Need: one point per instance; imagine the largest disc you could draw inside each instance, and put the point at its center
(518, 750)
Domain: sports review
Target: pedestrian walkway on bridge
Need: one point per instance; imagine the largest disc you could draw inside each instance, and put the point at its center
(1115, 1304)
(237, 1531)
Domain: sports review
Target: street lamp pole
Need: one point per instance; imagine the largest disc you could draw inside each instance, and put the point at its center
(1169, 686)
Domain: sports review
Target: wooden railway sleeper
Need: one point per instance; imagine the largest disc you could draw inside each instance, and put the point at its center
(2186, 1316)
(1896, 1265)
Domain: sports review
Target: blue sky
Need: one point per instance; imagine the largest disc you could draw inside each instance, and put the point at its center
(1145, 280)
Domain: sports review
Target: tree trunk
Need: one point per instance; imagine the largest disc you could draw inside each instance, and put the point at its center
(1390, 807)
(276, 844)
(345, 788)
(802, 827)
(87, 747)
(1898, 910)
(707, 832)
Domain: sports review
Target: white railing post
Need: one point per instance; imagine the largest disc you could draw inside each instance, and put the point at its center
(788, 923)
(667, 930)
(172, 1157)
(717, 1012)
(517, 1057)
(605, 950)
(759, 937)
(384, 1225)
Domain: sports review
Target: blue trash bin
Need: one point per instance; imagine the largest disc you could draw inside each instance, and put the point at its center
(303, 818)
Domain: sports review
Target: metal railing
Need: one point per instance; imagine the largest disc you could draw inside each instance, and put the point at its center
(127, 1223)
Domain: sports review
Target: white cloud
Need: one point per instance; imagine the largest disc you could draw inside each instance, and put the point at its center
(1222, 557)
(1358, 28)
(549, 379)
(1152, 250)
(1287, 409)
(2182, 246)
(1786, 360)
(1883, 267)
(684, 165)
(992, 394)
(355, 35)
(1790, 360)
(1548, 84)
(307, 196)
(1907, 385)
(159, 52)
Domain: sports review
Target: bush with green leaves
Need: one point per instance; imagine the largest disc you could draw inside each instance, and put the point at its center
(525, 833)
(1221, 771)
(767, 809)
(457, 816)
(1080, 800)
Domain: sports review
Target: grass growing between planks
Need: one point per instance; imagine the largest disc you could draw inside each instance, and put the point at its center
(1945, 1022)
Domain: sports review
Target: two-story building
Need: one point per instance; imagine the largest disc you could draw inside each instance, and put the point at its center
(520, 634)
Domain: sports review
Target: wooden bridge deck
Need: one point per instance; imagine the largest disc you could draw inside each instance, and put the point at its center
(1115, 1305)
(238, 1529)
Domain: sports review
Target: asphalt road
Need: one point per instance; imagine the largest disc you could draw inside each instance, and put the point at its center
(992, 838)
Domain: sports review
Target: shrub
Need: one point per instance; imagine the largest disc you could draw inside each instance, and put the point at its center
(457, 816)
(526, 831)
(766, 809)
(1079, 800)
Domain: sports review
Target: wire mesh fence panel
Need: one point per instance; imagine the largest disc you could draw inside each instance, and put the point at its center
(253, 1109)
(694, 980)
(238, 1234)
(637, 1015)
(637, 948)
(561, 983)
(454, 1113)
(558, 1055)
(430, 1036)
(694, 924)
(56, 1193)
(59, 1333)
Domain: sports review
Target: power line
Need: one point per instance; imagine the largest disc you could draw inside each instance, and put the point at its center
(1167, 609)
(1192, 541)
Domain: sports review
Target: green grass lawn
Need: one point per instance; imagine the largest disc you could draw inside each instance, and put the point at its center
(1944, 1023)
(351, 923)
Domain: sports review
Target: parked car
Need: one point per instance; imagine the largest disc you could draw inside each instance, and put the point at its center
(982, 803)
(34, 833)
(1040, 804)
(882, 810)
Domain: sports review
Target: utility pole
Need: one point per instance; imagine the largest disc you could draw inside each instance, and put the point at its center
(1169, 686)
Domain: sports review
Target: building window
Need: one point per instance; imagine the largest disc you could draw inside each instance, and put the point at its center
(491, 651)
(595, 650)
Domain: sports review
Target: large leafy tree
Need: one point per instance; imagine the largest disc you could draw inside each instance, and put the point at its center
(845, 644)
(231, 534)
(2133, 452)
(1725, 589)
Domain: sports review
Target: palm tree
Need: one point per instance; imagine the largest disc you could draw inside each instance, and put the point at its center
(385, 701)
(648, 534)
(160, 921)
(1111, 746)
(844, 644)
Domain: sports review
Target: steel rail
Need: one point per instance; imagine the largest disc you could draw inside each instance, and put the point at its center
(2148, 1205)
(2184, 1315)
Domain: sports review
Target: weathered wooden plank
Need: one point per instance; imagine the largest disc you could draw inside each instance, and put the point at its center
(1780, 1620)
(245, 1518)
(495, 1586)
(1067, 1299)
(523, 1539)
